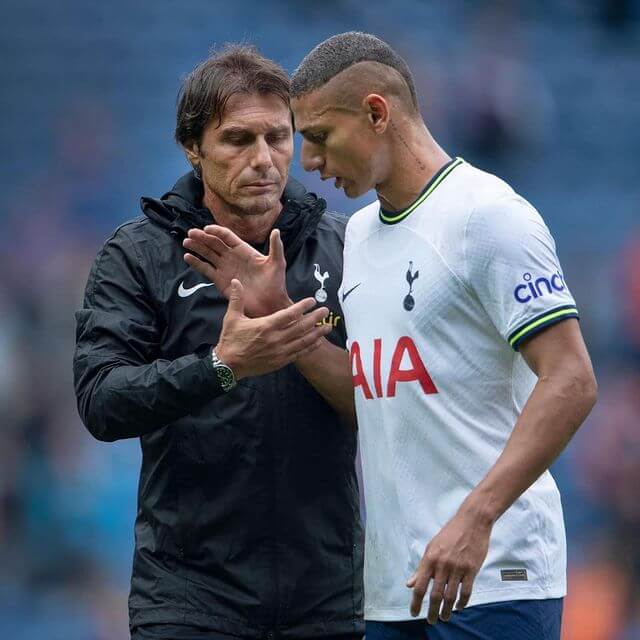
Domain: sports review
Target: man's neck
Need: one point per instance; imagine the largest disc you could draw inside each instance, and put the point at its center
(252, 228)
(415, 158)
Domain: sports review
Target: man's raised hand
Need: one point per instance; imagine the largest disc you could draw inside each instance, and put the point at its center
(228, 257)
(255, 346)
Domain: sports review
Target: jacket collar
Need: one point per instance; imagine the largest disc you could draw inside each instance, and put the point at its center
(180, 209)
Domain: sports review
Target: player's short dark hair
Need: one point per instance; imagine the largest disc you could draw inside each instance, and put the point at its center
(205, 91)
(339, 52)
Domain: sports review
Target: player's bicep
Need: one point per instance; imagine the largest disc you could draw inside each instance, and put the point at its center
(549, 350)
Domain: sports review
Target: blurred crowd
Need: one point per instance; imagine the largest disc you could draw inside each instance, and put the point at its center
(545, 94)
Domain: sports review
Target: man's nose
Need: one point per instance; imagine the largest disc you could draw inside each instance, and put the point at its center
(310, 157)
(261, 158)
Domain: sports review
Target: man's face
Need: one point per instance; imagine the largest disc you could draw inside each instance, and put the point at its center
(338, 143)
(245, 161)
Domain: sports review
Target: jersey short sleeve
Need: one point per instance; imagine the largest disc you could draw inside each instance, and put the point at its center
(511, 265)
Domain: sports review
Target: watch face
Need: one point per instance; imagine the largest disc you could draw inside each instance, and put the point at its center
(225, 375)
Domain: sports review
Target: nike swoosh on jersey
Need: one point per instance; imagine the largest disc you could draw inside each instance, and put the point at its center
(185, 293)
(346, 293)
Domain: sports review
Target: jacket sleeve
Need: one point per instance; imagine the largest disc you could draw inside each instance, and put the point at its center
(123, 389)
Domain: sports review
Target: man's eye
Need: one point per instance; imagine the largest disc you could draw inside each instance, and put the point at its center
(277, 138)
(238, 139)
(319, 138)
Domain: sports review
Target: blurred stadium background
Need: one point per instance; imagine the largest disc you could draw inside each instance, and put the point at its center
(544, 93)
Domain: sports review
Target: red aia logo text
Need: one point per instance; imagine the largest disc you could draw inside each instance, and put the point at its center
(416, 373)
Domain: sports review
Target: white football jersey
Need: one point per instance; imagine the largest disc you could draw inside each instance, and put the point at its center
(437, 300)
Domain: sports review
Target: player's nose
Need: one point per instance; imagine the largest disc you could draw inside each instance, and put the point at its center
(310, 158)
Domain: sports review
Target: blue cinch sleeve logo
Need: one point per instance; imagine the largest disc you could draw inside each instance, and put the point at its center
(531, 289)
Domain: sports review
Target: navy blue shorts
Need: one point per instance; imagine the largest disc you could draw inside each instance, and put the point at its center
(513, 620)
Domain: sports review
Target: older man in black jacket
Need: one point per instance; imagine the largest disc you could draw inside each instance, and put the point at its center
(248, 519)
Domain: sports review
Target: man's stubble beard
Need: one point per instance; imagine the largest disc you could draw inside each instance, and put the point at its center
(256, 207)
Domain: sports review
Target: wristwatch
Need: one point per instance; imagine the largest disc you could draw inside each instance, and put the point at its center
(225, 374)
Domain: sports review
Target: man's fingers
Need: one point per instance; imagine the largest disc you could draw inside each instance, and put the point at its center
(305, 324)
(285, 317)
(236, 298)
(419, 589)
(307, 342)
(450, 593)
(226, 235)
(200, 266)
(435, 598)
(465, 591)
(209, 247)
(276, 250)
(419, 582)
(213, 241)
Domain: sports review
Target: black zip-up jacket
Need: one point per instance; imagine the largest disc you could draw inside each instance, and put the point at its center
(248, 512)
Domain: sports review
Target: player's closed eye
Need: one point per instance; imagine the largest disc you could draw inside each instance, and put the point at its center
(317, 138)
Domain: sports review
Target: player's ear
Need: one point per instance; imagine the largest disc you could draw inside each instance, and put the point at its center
(377, 109)
(193, 154)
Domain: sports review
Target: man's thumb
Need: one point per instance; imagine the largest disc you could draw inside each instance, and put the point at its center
(236, 297)
(276, 250)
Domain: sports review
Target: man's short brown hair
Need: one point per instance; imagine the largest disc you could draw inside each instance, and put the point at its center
(206, 90)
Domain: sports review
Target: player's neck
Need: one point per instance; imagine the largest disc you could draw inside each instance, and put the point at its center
(252, 228)
(416, 158)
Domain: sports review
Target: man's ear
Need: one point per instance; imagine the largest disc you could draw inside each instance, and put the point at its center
(193, 154)
(377, 110)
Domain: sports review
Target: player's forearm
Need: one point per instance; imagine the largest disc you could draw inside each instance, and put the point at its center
(327, 370)
(555, 410)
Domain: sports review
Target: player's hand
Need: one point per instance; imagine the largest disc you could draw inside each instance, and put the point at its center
(229, 257)
(254, 346)
(452, 560)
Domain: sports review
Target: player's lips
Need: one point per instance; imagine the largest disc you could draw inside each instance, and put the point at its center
(339, 182)
(259, 185)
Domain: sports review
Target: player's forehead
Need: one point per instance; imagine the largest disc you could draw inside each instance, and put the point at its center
(313, 109)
